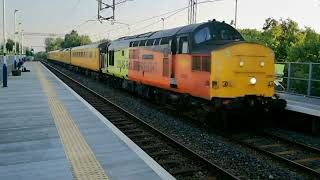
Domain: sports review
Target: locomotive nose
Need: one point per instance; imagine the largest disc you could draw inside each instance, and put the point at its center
(242, 69)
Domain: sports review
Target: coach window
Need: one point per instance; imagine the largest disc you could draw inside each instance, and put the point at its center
(142, 43)
(150, 42)
(165, 41)
(136, 44)
(156, 42)
(111, 58)
(183, 45)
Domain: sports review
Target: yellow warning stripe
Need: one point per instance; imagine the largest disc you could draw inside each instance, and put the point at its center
(83, 160)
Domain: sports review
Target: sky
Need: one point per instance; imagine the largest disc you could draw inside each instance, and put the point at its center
(61, 16)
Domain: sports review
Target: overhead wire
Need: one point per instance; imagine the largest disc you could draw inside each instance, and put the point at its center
(169, 13)
(172, 13)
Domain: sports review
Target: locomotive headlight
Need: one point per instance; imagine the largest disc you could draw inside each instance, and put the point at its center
(262, 64)
(225, 83)
(253, 81)
(241, 63)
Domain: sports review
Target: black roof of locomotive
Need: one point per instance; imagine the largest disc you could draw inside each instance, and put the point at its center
(125, 41)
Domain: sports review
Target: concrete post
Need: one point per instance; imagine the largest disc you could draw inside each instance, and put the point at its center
(15, 37)
(5, 69)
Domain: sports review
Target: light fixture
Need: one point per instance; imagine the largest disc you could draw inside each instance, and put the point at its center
(253, 81)
(262, 64)
(241, 63)
(225, 83)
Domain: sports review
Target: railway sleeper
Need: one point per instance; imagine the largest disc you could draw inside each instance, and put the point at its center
(172, 163)
(138, 135)
(126, 127)
(122, 123)
(161, 154)
(135, 131)
(185, 171)
(152, 148)
(144, 141)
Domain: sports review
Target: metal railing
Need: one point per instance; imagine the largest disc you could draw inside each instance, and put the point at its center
(301, 79)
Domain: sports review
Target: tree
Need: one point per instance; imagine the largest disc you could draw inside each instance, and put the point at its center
(29, 52)
(49, 43)
(85, 40)
(307, 49)
(58, 44)
(252, 35)
(40, 56)
(281, 36)
(72, 40)
(269, 24)
(10, 45)
(104, 40)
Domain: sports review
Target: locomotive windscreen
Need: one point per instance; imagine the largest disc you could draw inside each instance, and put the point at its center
(216, 33)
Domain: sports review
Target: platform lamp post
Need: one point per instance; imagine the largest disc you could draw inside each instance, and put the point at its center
(236, 15)
(5, 68)
(19, 37)
(21, 42)
(162, 19)
(15, 38)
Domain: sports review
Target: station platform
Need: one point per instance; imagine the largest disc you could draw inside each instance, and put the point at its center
(47, 131)
(302, 104)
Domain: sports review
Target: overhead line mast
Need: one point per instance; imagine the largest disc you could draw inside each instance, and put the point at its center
(192, 11)
(102, 6)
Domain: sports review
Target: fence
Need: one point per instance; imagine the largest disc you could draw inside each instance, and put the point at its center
(301, 78)
(10, 65)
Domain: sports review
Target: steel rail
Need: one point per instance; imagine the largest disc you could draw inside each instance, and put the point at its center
(286, 142)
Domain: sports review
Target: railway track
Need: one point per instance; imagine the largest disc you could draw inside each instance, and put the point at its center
(295, 154)
(177, 159)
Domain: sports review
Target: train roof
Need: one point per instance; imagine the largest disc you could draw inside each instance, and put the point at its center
(90, 46)
(125, 41)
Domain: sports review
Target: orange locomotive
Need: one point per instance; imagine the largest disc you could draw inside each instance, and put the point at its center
(207, 65)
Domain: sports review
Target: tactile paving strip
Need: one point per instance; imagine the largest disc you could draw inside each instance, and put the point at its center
(83, 160)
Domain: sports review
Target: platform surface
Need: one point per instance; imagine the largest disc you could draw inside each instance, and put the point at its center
(49, 132)
(302, 104)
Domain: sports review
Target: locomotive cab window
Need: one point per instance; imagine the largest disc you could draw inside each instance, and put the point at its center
(215, 33)
(225, 32)
(202, 35)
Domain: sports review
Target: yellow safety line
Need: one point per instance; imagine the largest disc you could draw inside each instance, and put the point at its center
(83, 160)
